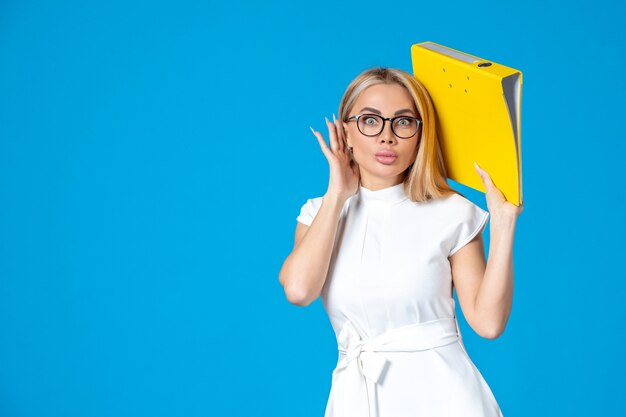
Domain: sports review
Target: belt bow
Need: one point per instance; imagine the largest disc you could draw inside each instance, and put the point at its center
(362, 366)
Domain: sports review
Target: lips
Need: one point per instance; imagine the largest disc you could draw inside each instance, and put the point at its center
(387, 154)
(386, 157)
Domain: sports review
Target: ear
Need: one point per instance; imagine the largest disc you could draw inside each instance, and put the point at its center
(347, 136)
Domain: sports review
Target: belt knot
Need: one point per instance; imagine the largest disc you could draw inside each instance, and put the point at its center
(356, 385)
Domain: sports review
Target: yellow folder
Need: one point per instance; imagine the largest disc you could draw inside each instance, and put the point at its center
(478, 106)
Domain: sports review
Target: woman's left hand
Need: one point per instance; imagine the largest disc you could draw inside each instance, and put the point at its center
(499, 209)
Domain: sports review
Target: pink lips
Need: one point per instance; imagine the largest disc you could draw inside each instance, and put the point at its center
(386, 157)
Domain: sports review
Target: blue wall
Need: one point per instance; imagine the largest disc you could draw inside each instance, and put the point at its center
(154, 156)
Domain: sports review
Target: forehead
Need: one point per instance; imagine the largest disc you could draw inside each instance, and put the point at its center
(385, 97)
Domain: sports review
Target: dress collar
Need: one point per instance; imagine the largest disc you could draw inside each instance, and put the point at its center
(389, 195)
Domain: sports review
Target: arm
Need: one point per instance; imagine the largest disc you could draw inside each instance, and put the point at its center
(304, 271)
(485, 289)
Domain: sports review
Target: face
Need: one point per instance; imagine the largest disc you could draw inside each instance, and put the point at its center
(378, 171)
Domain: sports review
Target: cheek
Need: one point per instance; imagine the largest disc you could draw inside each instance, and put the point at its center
(411, 151)
(409, 156)
(363, 152)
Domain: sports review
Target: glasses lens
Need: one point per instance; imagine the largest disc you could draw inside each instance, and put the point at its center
(370, 124)
(405, 127)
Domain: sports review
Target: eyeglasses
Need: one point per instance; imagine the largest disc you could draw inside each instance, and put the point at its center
(372, 124)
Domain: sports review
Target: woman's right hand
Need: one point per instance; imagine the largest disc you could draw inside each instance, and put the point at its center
(344, 176)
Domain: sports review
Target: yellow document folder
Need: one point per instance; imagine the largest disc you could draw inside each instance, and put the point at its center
(478, 106)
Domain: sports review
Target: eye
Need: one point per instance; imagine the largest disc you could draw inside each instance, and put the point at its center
(369, 120)
(404, 122)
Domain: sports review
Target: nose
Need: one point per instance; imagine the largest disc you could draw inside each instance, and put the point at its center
(387, 134)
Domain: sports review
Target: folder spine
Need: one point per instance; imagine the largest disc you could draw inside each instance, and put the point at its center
(494, 70)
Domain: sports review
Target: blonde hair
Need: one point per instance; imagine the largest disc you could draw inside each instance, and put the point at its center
(426, 178)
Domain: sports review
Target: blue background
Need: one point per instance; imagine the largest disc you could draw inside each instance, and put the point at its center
(154, 156)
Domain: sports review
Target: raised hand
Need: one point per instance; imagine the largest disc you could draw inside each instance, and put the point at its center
(502, 211)
(344, 177)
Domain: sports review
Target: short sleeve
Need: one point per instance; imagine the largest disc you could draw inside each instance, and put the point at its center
(309, 210)
(470, 220)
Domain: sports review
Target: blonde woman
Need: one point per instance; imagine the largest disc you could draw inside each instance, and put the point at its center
(385, 246)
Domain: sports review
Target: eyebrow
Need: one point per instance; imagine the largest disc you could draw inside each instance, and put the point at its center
(373, 110)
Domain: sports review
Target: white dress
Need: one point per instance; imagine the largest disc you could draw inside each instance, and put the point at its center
(388, 295)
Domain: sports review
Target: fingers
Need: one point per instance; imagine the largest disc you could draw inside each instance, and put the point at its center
(340, 132)
(484, 176)
(335, 134)
(320, 139)
(335, 145)
(489, 185)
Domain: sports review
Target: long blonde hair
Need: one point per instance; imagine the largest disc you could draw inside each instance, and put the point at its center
(426, 178)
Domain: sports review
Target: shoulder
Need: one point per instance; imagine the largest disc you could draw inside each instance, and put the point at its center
(461, 204)
(315, 202)
(448, 207)
(454, 206)
(466, 221)
(309, 210)
(311, 207)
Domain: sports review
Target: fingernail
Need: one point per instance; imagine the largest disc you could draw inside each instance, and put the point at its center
(334, 118)
(477, 166)
(327, 121)
(312, 130)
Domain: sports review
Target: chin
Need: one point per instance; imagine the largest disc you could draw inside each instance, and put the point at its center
(387, 171)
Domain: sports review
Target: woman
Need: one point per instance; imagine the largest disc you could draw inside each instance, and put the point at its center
(384, 248)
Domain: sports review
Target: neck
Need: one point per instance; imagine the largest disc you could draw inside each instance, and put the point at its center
(377, 183)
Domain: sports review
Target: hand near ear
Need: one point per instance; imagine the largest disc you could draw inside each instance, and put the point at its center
(344, 177)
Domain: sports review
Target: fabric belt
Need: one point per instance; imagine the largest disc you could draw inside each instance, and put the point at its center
(362, 367)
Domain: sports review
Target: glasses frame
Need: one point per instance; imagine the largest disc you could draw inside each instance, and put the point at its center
(385, 119)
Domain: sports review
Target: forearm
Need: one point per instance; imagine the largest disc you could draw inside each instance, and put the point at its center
(304, 271)
(495, 297)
